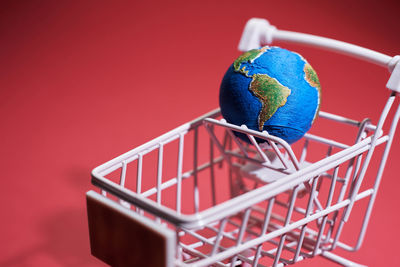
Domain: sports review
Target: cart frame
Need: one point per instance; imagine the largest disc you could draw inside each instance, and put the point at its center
(308, 222)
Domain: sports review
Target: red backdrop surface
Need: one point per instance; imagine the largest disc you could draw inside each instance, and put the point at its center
(84, 81)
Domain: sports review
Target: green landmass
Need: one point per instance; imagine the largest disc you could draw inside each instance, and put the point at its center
(272, 95)
(249, 56)
(312, 78)
(268, 90)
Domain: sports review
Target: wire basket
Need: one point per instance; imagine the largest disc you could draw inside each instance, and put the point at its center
(199, 196)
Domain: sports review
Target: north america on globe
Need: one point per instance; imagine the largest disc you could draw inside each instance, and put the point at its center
(271, 89)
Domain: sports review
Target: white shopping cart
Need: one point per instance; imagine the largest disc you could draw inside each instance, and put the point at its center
(199, 196)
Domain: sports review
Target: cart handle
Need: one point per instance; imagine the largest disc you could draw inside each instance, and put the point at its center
(259, 32)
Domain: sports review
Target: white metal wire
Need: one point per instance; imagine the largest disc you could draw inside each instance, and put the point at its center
(298, 215)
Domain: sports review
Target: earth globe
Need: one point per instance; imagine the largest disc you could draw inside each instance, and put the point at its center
(271, 89)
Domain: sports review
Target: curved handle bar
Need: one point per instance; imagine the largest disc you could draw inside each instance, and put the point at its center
(258, 32)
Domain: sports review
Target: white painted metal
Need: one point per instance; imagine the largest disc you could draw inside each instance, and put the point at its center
(276, 212)
(259, 32)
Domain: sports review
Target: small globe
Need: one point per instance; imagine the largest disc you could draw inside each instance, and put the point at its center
(271, 89)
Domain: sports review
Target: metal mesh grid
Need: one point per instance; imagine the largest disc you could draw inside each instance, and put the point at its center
(202, 166)
(231, 203)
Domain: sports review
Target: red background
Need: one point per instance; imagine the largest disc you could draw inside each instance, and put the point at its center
(84, 81)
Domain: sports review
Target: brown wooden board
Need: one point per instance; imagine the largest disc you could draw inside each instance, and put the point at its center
(121, 237)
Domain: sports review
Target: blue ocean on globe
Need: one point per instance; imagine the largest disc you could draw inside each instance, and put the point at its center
(271, 89)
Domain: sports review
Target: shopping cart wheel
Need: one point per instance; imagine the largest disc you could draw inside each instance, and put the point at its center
(120, 237)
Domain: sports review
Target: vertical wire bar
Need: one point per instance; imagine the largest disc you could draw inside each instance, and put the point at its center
(329, 232)
(381, 168)
(240, 145)
(279, 154)
(179, 254)
(179, 175)
(159, 171)
(356, 170)
(212, 172)
(338, 233)
(254, 142)
(329, 152)
(340, 199)
(328, 204)
(123, 174)
(279, 251)
(369, 155)
(316, 200)
(308, 212)
(139, 176)
(259, 150)
(230, 171)
(320, 234)
(332, 188)
(220, 147)
(267, 218)
(343, 189)
(226, 135)
(219, 236)
(329, 201)
(227, 139)
(241, 232)
(287, 221)
(122, 183)
(349, 171)
(361, 131)
(286, 156)
(304, 151)
(342, 221)
(346, 213)
(195, 170)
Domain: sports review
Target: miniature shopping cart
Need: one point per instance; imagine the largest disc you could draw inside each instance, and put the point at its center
(199, 196)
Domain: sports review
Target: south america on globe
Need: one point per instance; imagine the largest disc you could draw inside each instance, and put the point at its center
(271, 89)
